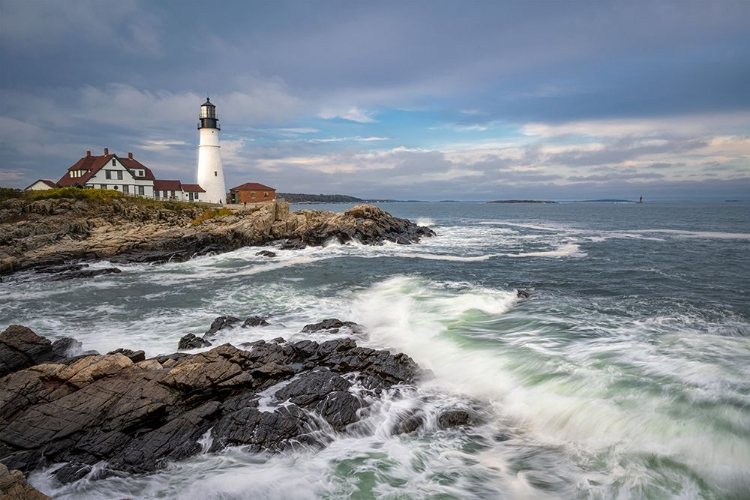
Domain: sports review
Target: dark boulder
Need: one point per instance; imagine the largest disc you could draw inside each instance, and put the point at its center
(292, 244)
(333, 325)
(190, 341)
(408, 423)
(454, 418)
(254, 321)
(66, 347)
(62, 268)
(20, 348)
(221, 323)
(266, 253)
(522, 294)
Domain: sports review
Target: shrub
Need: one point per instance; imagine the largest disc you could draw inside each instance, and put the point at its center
(211, 213)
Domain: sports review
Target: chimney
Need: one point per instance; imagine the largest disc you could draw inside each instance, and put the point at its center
(106, 151)
(130, 155)
(88, 152)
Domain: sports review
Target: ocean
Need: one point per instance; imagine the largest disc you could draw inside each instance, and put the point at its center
(625, 375)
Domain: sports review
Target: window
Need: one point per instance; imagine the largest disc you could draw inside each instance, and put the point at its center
(165, 194)
(190, 196)
(265, 195)
(114, 162)
(156, 194)
(119, 175)
(196, 196)
(108, 174)
(141, 190)
(103, 186)
(172, 194)
(252, 194)
(125, 189)
(216, 174)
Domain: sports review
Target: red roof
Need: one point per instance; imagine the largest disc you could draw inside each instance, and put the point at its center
(89, 164)
(167, 185)
(133, 164)
(92, 164)
(194, 188)
(251, 186)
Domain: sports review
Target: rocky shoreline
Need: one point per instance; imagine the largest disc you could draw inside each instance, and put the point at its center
(61, 235)
(136, 414)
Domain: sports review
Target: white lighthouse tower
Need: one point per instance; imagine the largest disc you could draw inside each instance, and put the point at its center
(210, 170)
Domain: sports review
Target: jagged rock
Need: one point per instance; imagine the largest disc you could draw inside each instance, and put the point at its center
(190, 341)
(368, 225)
(266, 253)
(134, 356)
(254, 321)
(20, 348)
(221, 323)
(522, 294)
(333, 325)
(137, 416)
(13, 486)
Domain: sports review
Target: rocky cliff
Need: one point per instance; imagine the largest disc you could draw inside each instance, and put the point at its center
(47, 233)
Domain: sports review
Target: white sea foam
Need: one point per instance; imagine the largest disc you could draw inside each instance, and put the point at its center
(570, 409)
(701, 234)
(567, 250)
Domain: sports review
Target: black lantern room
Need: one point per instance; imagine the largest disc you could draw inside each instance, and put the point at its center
(208, 116)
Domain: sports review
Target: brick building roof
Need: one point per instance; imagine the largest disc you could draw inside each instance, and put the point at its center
(167, 185)
(251, 186)
(194, 188)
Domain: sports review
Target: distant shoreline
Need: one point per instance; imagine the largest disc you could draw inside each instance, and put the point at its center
(521, 201)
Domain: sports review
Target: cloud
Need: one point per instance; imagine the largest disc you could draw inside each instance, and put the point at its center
(352, 114)
(347, 139)
(48, 25)
(642, 127)
(292, 130)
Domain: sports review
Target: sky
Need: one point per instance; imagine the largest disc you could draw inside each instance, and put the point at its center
(428, 100)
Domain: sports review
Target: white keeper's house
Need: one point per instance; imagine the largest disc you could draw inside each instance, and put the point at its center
(126, 175)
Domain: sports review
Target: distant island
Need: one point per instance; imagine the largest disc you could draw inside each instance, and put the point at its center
(334, 198)
(318, 198)
(521, 201)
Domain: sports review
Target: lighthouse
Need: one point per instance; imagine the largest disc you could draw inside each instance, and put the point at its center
(210, 170)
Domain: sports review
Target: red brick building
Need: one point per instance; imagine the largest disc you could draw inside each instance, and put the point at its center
(251, 192)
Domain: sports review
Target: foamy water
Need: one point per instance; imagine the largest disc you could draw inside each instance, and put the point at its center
(626, 375)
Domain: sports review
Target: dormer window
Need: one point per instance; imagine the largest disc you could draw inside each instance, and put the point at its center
(114, 162)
